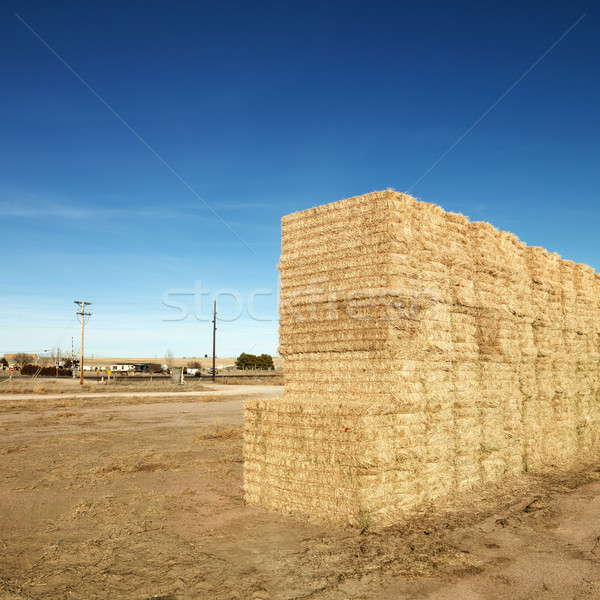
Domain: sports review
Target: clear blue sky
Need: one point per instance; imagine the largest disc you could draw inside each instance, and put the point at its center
(262, 109)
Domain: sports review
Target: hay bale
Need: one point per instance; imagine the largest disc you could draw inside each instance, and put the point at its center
(333, 461)
(424, 355)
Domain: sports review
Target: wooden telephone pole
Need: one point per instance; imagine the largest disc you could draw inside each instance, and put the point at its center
(83, 315)
(214, 338)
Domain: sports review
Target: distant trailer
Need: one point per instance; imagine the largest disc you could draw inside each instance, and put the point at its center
(122, 368)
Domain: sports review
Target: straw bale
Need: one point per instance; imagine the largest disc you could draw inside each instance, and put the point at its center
(314, 456)
(424, 355)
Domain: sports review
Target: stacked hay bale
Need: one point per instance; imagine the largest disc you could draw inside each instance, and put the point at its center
(424, 354)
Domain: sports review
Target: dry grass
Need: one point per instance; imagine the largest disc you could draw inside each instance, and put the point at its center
(135, 465)
(66, 402)
(38, 387)
(117, 385)
(218, 431)
(258, 380)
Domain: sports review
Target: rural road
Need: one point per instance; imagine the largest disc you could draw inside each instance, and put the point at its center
(265, 391)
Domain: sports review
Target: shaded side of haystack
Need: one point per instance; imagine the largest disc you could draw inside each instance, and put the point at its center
(424, 354)
(561, 416)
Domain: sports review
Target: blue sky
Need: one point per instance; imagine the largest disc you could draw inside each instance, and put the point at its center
(260, 109)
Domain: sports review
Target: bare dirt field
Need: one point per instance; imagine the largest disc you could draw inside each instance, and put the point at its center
(139, 497)
(68, 385)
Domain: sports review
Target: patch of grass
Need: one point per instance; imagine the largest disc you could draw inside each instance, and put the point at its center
(137, 466)
(108, 400)
(219, 431)
(44, 387)
(264, 380)
(70, 386)
(13, 448)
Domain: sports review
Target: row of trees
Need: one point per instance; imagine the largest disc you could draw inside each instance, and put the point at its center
(55, 357)
(251, 361)
(45, 371)
(22, 359)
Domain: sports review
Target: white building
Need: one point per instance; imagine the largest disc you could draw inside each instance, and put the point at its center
(122, 368)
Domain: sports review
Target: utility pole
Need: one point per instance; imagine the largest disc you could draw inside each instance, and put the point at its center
(214, 338)
(83, 315)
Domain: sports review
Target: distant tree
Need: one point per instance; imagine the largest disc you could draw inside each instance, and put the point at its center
(67, 364)
(169, 358)
(250, 361)
(244, 361)
(154, 368)
(264, 361)
(23, 359)
(3, 362)
(194, 365)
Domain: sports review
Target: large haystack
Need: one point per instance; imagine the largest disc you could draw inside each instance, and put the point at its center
(424, 354)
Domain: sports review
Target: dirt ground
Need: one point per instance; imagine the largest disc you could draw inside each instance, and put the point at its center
(127, 498)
